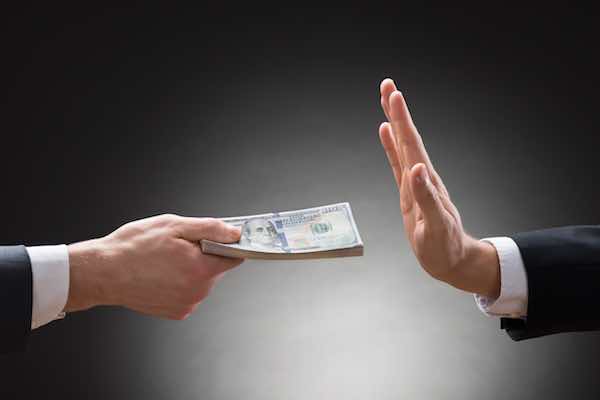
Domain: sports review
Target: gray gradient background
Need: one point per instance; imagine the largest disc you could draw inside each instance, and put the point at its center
(117, 116)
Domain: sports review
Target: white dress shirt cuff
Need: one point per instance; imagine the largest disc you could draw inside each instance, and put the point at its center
(50, 273)
(512, 302)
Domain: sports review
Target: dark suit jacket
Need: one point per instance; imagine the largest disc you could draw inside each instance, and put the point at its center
(563, 279)
(15, 298)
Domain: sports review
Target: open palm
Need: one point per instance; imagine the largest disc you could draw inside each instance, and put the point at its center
(431, 221)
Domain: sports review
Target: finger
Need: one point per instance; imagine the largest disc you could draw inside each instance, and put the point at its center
(389, 145)
(427, 197)
(195, 229)
(409, 140)
(395, 159)
(406, 133)
(386, 88)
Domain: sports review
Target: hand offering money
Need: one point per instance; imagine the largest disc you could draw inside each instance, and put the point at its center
(319, 232)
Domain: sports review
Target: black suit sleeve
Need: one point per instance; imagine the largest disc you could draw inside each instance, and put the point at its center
(563, 280)
(15, 298)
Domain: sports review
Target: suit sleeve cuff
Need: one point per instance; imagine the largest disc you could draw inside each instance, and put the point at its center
(512, 302)
(50, 272)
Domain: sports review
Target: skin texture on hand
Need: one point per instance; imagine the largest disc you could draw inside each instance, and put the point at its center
(431, 221)
(153, 266)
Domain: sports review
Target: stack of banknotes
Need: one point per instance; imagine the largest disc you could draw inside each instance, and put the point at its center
(318, 232)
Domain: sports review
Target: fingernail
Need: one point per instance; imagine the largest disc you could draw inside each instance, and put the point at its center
(399, 93)
(422, 176)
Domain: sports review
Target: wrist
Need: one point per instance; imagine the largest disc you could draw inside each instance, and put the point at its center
(479, 270)
(89, 269)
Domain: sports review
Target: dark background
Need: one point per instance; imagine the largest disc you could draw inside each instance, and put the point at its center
(114, 115)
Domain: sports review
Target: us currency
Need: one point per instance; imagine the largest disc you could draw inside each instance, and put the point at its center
(318, 232)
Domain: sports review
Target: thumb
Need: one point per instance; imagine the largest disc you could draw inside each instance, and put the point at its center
(195, 229)
(426, 195)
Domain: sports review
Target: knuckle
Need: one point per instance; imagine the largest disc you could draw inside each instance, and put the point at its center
(169, 246)
(167, 219)
(179, 246)
(127, 226)
(189, 252)
(409, 139)
(211, 223)
(131, 228)
(431, 194)
(417, 137)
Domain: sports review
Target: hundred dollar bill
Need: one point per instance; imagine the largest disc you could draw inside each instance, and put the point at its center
(319, 232)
